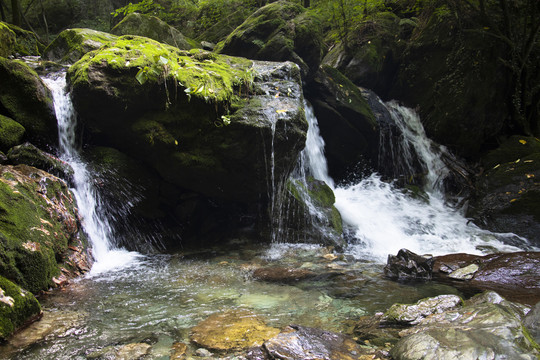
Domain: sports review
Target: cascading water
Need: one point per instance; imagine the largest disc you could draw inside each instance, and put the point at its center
(95, 221)
(380, 218)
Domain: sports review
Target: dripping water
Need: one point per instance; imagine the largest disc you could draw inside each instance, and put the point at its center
(94, 216)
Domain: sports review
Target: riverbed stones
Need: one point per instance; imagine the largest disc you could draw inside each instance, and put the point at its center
(232, 330)
(414, 314)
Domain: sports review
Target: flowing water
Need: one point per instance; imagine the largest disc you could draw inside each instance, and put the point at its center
(157, 299)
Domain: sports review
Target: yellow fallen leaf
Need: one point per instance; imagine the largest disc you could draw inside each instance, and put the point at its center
(528, 161)
(496, 166)
(513, 200)
(523, 141)
(176, 142)
(529, 176)
(518, 160)
(277, 95)
(281, 111)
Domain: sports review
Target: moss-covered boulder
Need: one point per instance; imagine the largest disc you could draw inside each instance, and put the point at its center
(347, 123)
(18, 307)
(508, 192)
(38, 222)
(25, 99)
(153, 28)
(204, 122)
(28, 154)
(280, 31)
(71, 44)
(11, 133)
(24, 43)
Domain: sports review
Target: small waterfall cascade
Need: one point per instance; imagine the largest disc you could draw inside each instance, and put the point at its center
(94, 217)
(380, 218)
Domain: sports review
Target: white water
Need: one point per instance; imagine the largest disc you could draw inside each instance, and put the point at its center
(94, 220)
(382, 218)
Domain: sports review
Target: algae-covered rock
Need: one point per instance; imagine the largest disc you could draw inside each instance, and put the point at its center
(38, 221)
(18, 307)
(28, 154)
(232, 330)
(11, 133)
(508, 192)
(153, 28)
(7, 40)
(348, 126)
(25, 99)
(24, 43)
(206, 123)
(71, 44)
(486, 327)
(280, 31)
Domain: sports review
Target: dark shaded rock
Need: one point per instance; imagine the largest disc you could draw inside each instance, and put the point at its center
(18, 308)
(513, 275)
(298, 342)
(38, 225)
(280, 31)
(532, 323)
(508, 193)
(407, 265)
(71, 44)
(30, 155)
(11, 133)
(17, 41)
(25, 99)
(348, 126)
(153, 28)
(282, 274)
(487, 326)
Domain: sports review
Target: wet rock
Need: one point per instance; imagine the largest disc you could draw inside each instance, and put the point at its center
(203, 353)
(178, 351)
(532, 323)
(298, 342)
(465, 273)
(25, 99)
(18, 308)
(132, 351)
(407, 265)
(414, 314)
(28, 154)
(282, 274)
(72, 44)
(513, 275)
(376, 331)
(232, 330)
(153, 28)
(486, 327)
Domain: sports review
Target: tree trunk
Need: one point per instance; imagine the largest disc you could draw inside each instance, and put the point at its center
(2, 13)
(16, 12)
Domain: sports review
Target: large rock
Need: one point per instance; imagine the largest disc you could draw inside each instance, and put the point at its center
(18, 42)
(7, 40)
(38, 228)
(280, 31)
(508, 192)
(71, 44)
(18, 307)
(153, 28)
(220, 126)
(28, 154)
(513, 275)
(11, 133)
(25, 99)
(486, 327)
(347, 124)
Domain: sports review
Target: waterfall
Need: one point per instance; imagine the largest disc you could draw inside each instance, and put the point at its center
(94, 217)
(381, 218)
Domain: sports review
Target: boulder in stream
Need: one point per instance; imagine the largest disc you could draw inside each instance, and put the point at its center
(407, 265)
(18, 307)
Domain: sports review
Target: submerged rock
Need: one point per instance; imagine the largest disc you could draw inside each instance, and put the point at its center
(282, 274)
(153, 28)
(232, 330)
(25, 99)
(18, 307)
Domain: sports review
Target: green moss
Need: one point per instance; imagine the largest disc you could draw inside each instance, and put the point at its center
(7, 40)
(26, 42)
(530, 342)
(70, 45)
(201, 74)
(17, 307)
(11, 133)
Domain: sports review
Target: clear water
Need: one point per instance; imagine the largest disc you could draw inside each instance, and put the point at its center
(159, 299)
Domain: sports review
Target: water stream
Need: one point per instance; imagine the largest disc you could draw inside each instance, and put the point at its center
(157, 299)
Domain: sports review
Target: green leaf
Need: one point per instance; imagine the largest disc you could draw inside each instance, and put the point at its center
(163, 61)
(141, 76)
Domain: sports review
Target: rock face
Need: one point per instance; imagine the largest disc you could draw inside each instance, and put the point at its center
(232, 330)
(513, 275)
(221, 127)
(38, 230)
(27, 101)
(17, 307)
(153, 28)
(508, 192)
(71, 44)
(280, 31)
(486, 327)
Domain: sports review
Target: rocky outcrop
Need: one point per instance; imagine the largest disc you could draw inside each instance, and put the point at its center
(38, 229)
(280, 31)
(508, 192)
(17, 308)
(153, 28)
(27, 101)
(71, 44)
(221, 127)
(348, 125)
